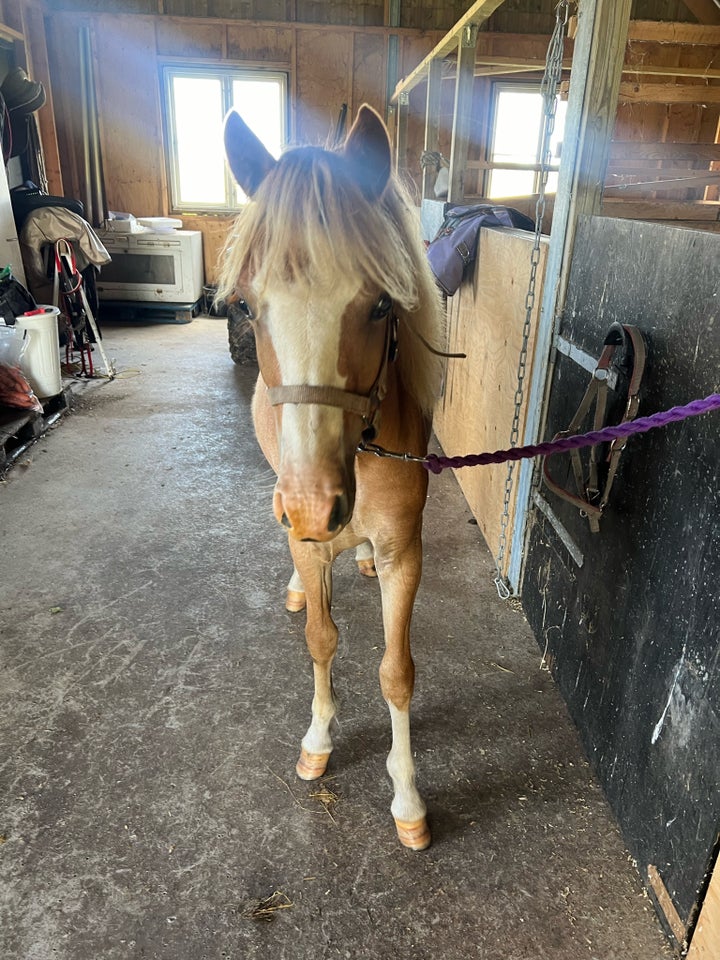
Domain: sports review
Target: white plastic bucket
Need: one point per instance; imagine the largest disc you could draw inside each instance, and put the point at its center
(41, 361)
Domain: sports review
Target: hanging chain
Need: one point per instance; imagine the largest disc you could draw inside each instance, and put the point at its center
(548, 89)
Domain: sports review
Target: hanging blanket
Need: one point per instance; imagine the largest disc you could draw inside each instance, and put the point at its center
(43, 228)
(455, 245)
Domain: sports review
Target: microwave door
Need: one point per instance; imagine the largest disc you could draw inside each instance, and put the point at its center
(151, 269)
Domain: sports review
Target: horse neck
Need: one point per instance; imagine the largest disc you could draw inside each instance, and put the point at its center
(403, 425)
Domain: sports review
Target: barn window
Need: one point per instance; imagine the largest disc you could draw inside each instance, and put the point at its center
(516, 141)
(196, 102)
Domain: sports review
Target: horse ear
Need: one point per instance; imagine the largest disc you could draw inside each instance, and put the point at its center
(249, 161)
(367, 148)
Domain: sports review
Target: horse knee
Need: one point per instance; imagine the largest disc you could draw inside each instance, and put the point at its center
(322, 642)
(397, 680)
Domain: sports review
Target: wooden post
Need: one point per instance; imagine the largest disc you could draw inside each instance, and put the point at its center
(403, 109)
(462, 114)
(432, 122)
(704, 10)
(592, 106)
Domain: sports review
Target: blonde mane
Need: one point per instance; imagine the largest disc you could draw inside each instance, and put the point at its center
(309, 222)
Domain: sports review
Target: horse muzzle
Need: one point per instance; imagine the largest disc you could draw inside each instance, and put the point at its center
(313, 513)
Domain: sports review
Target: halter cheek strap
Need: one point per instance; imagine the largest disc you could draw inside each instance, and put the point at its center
(363, 406)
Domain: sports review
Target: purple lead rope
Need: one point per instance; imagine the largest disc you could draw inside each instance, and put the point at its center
(642, 424)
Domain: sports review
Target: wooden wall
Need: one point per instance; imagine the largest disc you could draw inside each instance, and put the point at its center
(667, 124)
(334, 53)
(327, 66)
(486, 318)
(515, 16)
(521, 16)
(414, 14)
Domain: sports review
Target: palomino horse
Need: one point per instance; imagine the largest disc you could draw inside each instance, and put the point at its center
(327, 263)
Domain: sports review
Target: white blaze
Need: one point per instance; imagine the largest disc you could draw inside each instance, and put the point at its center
(305, 327)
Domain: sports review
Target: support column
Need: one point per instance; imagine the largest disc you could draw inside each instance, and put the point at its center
(432, 122)
(403, 110)
(462, 114)
(598, 59)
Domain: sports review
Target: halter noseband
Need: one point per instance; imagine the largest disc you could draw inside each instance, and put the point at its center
(363, 406)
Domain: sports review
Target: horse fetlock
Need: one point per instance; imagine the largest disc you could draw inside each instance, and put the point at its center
(408, 806)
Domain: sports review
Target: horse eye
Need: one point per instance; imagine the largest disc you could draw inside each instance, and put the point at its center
(382, 308)
(244, 308)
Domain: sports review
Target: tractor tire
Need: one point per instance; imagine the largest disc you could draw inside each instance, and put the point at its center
(241, 339)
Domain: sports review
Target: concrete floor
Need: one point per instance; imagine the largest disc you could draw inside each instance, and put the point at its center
(153, 693)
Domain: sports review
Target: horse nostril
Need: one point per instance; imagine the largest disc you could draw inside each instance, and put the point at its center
(337, 516)
(286, 522)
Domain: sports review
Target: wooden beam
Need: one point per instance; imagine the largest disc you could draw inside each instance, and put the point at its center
(486, 65)
(661, 210)
(7, 33)
(704, 11)
(490, 165)
(616, 175)
(661, 93)
(402, 114)
(636, 150)
(668, 93)
(519, 64)
(462, 114)
(648, 69)
(665, 902)
(500, 71)
(477, 14)
(692, 33)
(668, 184)
(516, 63)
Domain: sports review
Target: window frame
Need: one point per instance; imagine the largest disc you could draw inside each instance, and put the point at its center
(516, 86)
(227, 73)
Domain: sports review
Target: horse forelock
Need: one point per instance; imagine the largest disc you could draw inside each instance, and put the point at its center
(309, 226)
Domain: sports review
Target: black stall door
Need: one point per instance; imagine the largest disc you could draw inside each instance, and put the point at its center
(629, 615)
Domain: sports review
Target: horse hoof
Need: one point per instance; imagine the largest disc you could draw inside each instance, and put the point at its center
(295, 601)
(311, 766)
(415, 835)
(367, 568)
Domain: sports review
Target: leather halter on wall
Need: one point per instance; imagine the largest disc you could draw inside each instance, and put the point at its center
(590, 498)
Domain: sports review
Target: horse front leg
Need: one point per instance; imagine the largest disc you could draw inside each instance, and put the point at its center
(399, 579)
(313, 564)
(295, 593)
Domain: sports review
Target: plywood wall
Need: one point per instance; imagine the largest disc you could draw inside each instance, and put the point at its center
(485, 320)
(414, 14)
(327, 66)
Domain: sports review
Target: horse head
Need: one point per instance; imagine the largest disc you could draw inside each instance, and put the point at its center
(307, 279)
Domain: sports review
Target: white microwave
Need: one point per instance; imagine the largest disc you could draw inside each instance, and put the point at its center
(157, 267)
